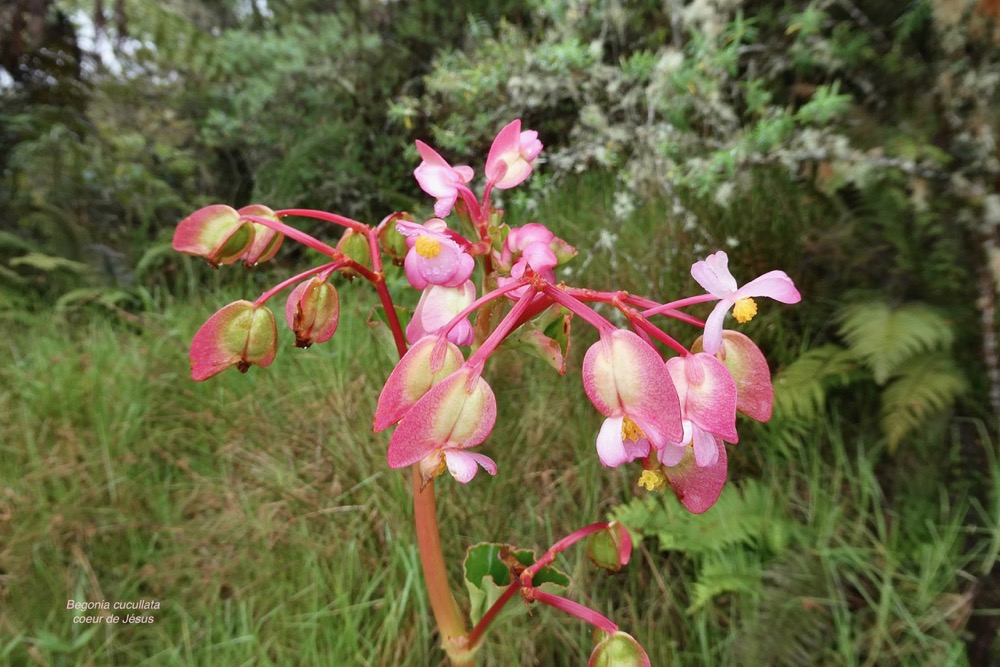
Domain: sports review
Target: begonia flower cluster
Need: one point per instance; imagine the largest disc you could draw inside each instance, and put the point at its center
(668, 410)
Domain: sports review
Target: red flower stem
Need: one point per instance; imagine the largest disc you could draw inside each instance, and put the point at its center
(478, 632)
(478, 358)
(481, 301)
(680, 303)
(652, 307)
(657, 333)
(577, 307)
(296, 235)
(558, 547)
(326, 217)
(263, 298)
(572, 608)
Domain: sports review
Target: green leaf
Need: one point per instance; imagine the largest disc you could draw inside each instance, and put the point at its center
(885, 337)
(547, 337)
(925, 387)
(487, 574)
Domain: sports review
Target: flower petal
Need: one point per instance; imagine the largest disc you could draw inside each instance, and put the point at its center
(424, 365)
(774, 284)
(698, 488)
(709, 393)
(713, 275)
(463, 465)
(748, 367)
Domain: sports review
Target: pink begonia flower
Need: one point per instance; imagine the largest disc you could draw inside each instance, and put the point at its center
(707, 394)
(239, 334)
(532, 243)
(266, 241)
(511, 155)
(313, 312)
(625, 378)
(423, 366)
(747, 365)
(456, 414)
(439, 179)
(714, 276)
(216, 233)
(437, 306)
(434, 258)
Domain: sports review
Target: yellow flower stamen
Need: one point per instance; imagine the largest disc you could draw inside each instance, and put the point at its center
(427, 247)
(631, 430)
(744, 310)
(652, 480)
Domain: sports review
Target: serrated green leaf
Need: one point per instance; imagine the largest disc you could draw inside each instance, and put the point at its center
(487, 575)
(885, 337)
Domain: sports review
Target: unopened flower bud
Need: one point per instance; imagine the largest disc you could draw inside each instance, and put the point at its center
(617, 649)
(266, 241)
(610, 548)
(312, 312)
(355, 245)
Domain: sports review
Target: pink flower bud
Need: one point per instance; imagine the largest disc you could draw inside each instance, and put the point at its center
(266, 241)
(610, 548)
(312, 312)
(217, 233)
(240, 334)
(509, 161)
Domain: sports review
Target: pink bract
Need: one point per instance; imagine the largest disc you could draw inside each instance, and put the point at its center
(216, 233)
(747, 365)
(266, 241)
(424, 365)
(698, 487)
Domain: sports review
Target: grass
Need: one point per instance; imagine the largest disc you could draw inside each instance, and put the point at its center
(259, 512)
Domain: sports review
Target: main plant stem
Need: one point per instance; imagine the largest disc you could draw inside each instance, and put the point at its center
(447, 615)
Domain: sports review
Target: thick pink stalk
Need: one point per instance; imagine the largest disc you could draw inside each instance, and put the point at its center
(561, 546)
(641, 322)
(296, 235)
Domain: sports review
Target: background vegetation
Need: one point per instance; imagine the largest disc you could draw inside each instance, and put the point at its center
(850, 143)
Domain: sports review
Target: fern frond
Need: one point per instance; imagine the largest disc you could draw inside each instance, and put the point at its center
(924, 387)
(733, 570)
(800, 388)
(748, 516)
(886, 337)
